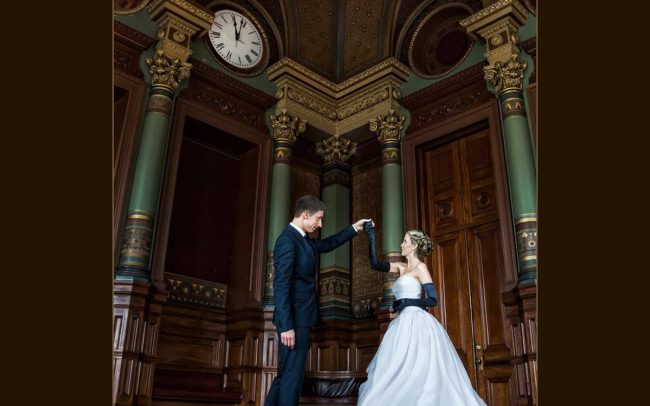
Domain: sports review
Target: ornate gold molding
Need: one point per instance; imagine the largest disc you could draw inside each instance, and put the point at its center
(337, 90)
(167, 72)
(335, 108)
(506, 76)
(184, 9)
(336, 148)
(494, 12)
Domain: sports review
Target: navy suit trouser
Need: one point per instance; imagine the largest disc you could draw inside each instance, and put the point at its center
(287, 385)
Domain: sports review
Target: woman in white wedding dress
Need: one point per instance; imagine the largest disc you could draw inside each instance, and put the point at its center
(416, 363)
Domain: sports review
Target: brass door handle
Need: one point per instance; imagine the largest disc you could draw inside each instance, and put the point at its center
(479, 357)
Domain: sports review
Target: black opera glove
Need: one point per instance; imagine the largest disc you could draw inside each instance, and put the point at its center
(431, 299)
(381, 266)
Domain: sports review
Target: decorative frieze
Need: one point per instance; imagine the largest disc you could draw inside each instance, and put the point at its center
(198, 292)
(338, 108)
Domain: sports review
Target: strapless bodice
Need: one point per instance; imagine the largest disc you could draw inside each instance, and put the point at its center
(407, 286)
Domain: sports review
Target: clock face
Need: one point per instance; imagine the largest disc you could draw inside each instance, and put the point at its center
(236, 39)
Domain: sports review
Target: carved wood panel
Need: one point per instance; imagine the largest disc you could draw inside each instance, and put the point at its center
(480, 199)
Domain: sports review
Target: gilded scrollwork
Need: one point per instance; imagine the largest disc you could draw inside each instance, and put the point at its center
(362, 103)
(311, 101)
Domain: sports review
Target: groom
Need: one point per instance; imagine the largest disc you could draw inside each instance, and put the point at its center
(295, 258)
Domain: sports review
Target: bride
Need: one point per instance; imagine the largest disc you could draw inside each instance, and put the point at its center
(416, 363)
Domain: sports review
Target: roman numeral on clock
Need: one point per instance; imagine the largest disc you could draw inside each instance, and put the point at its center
(219, 46)
(218, 25)
(248, 58)
(254, 53)
(229, 55)
(215, 34)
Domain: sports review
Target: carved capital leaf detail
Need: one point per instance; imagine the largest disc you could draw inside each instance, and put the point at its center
(506, 75)
(388, 127)
(166, 71)
(286, 128)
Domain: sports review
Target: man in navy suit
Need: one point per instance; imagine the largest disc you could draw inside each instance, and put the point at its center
(295, 259)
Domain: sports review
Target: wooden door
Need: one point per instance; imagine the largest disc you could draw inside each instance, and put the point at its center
(459, 208)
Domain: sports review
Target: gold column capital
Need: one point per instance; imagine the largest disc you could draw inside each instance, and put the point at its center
(178, 21)
(167, 72)
(506, 76)
(387, 127)
(498, 24)
(336, 149)
(287, 128)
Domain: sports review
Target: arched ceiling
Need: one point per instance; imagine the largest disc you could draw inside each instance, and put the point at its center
(340, 38)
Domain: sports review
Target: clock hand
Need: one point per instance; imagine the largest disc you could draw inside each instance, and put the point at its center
(235, 24)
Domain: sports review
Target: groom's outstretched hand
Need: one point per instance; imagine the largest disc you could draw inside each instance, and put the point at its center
(359, 224)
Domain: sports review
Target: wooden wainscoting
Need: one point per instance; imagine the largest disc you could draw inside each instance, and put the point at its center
(191, 358)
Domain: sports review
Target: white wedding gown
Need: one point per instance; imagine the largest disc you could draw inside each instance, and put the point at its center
(416, 363)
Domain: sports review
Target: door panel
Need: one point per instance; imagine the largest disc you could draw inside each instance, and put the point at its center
(449, 268)
(444, 200)
(489, 332)
(479, 195)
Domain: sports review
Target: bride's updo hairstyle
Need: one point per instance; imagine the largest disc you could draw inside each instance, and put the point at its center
(424, 243)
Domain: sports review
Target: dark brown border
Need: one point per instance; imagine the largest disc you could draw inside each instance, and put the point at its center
(56, 170)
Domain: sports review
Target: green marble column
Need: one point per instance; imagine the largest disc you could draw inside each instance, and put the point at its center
(285, 132)
(135, 254)
(334, 276)
(520, 163)
(388, 129)
(498, 25)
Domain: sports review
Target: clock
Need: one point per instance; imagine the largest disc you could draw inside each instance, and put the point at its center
(238, 42)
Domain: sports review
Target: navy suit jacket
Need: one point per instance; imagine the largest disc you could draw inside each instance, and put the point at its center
(295, 259)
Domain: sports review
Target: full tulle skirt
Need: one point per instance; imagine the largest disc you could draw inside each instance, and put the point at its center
(416, 365)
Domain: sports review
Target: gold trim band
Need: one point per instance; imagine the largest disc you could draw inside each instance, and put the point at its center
(140, 216)
(526, 220)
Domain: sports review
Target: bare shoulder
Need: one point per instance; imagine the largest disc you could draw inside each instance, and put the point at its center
(423, 273)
